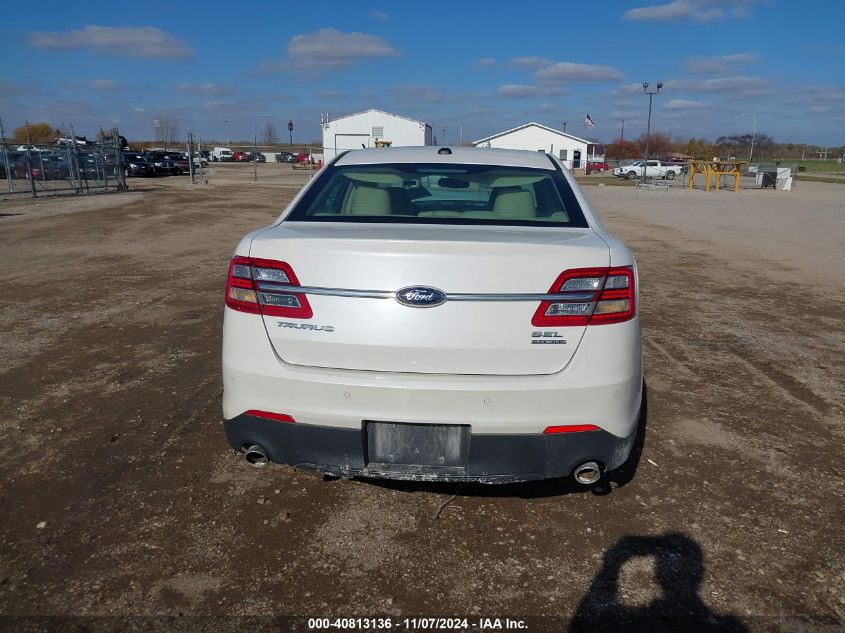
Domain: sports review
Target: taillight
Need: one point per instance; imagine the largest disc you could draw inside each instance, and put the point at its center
(270, 415)
(262, 286)
(570, 428)
(589, 296)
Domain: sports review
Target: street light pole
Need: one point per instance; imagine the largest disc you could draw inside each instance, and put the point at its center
(753, 134)
(255, 147)
(648, 125)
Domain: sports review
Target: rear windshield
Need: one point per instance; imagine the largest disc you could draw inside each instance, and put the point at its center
(440, 194)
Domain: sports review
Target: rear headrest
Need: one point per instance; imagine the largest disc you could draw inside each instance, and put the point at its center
(514, 205)
(364, 200)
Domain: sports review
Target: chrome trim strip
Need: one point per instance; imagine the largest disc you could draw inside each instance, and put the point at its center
(559, 296)
(269, 286)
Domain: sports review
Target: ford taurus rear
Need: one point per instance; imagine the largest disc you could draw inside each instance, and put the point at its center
(434, 314)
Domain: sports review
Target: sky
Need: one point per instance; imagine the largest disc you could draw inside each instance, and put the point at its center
(224, 70)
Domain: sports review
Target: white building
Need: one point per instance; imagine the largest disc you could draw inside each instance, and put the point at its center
(571, 150)
(363, 129)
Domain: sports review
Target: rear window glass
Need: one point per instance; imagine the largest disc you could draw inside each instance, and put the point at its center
(440, 194)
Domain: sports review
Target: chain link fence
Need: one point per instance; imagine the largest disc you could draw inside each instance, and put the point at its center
(761, 174)
(67, 166)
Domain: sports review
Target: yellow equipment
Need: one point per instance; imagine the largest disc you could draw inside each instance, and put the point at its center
(716, 170)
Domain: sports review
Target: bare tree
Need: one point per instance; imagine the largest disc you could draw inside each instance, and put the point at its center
(167, 130)
(271, 135)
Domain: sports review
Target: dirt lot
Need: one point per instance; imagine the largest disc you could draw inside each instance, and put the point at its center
(119, 496)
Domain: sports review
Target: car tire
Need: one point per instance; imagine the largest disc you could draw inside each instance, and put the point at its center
(630, 175)
(670, 175)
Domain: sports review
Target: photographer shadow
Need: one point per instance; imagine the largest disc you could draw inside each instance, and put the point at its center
(679, 571)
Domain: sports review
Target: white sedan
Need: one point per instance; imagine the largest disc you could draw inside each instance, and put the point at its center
(430, 313)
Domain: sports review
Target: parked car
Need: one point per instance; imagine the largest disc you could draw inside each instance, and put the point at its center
(285, 157)
(163, 164)
(201, 159)
(597, 165)
(135, 164)
(653, 169)
(472, 321)
(42, 166)
(181, 160)
(258, 157)
(241, 157)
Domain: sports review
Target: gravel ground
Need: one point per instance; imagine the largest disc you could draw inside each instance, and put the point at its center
(120, 501)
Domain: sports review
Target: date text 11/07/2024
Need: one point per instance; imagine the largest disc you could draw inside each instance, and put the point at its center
(417, 624)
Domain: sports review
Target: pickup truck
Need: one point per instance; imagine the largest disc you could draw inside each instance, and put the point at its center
(653, 169)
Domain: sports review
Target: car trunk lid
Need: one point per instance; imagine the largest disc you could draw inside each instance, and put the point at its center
(475, 331)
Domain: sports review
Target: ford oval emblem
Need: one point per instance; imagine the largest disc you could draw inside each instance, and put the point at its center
(420, 297)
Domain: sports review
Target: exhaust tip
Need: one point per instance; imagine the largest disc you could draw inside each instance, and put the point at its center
(587, 473)
(256, 456)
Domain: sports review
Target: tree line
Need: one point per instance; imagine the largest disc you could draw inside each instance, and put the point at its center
(735, 146)
(167, 132)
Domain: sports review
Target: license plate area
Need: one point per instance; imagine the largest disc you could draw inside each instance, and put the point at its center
(424, 446)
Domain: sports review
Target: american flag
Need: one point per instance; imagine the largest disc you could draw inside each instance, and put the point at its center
(589, 121)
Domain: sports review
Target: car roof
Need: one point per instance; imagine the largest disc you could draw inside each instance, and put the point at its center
(458, 155)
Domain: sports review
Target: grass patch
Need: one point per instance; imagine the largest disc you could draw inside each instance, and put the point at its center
(814, 166)
(827, 179)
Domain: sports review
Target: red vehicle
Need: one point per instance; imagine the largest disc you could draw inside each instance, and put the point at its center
(597, 165)
(241, 157)
(182, 161)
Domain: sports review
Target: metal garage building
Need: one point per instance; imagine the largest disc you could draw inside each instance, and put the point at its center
(571, 150)
(363, 129)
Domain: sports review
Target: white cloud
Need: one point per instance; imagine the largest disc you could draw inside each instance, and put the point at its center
(719, 65)
(524, 90)
(330, 49)
(570, 71)
(698, 10)
(484, 62)
(203, 89)
(738, 85)
(144, 42)
(381, 16)
(530, 62)
(684, 104)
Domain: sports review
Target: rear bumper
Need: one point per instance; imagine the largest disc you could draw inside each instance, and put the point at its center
(490, 459)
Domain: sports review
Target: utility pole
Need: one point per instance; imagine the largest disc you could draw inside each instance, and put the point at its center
(461, 136)
(564, 127)
(290, 132)
(648, 126)
(443, 140)
(622, 134)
